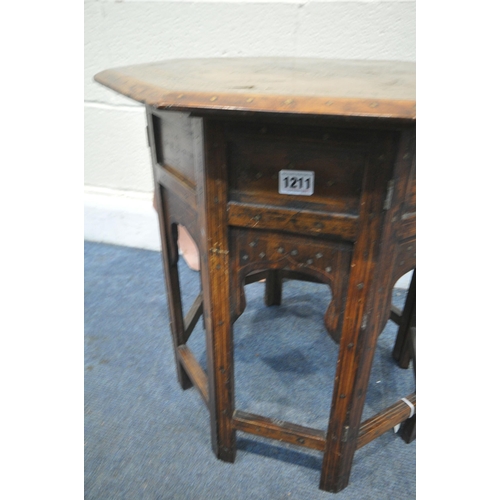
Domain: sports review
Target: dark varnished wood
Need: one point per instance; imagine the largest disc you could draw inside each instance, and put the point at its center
(280, 430)
(220, 131)
(193, 316)
(326, 262)
(361, 325)
(169, 259)
(174, 144)
(215, 264)
(385, 421)
(294, 85)
(292, 220)
(403, 347)
(195, 372)
(409, 428)
(257, 152)
(396, 314)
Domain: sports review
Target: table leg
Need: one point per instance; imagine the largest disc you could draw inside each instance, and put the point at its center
(170, 258)
(367, 292)
(274, 286)
(402, 347)
(215, 273)
(357, 347)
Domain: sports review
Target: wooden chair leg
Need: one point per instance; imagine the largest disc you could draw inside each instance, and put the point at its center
(402, 347)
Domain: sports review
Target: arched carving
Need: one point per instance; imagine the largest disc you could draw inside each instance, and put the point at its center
(324, 262)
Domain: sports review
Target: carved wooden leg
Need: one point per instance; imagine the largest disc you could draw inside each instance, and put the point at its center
(402, 347)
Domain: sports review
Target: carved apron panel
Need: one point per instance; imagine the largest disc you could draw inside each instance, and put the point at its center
(325, 261)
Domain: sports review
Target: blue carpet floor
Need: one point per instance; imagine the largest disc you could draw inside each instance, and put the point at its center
(145, 438)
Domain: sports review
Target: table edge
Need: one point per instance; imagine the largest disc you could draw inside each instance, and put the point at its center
(161, 98)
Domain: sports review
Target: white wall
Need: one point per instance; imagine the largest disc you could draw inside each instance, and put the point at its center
(139, 31)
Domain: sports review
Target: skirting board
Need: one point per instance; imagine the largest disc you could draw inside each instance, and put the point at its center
(128, 218)
(121, 218)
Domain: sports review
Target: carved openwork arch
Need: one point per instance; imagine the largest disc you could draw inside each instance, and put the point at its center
(257, 252)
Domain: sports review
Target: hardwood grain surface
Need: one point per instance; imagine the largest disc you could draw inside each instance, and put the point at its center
(384, 89)
(220, 133)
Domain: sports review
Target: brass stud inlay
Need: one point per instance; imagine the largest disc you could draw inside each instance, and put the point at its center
(250, 99)
(288, 101)
(294, 252)
(214, 98)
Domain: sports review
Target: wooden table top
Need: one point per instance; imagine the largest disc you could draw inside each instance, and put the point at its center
(382, 89)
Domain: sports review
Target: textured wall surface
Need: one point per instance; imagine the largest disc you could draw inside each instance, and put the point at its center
(118, 33)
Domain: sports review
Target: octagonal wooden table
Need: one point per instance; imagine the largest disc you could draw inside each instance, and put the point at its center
(298, 168)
